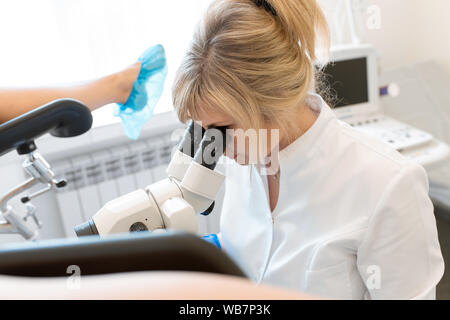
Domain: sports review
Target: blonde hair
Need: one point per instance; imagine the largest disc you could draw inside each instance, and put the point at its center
(250, 64)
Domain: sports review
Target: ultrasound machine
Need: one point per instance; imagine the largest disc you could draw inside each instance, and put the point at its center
(352, 76)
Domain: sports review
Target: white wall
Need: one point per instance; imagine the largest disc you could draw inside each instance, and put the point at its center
(412, 31)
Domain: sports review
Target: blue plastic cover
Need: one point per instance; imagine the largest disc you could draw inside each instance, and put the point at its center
(146, 92)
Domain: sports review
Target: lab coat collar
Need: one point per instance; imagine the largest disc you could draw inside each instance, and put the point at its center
(304, 147)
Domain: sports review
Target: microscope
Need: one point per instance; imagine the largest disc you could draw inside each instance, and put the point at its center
(172, 203)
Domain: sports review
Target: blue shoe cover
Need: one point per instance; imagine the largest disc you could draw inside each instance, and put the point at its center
(146, 92)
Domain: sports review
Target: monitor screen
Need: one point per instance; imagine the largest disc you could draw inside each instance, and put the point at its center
(347, 80)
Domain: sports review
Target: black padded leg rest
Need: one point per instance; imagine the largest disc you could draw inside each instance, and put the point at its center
(62, 118)
(140, 251)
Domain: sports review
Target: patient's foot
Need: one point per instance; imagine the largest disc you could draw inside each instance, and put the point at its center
(124, 81)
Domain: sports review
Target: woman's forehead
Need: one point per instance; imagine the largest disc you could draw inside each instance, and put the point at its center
(210, 120)
(208, 116)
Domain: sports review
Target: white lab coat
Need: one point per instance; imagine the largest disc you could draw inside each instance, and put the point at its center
(353, 219)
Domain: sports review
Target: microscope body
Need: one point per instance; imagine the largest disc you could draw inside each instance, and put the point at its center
(174, 202)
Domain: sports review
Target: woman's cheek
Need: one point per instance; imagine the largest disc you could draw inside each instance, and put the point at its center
(231, 152)
(230, 145)
(248, 152)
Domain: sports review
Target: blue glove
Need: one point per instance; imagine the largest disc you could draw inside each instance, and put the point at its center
(147, 90)
(212, 238)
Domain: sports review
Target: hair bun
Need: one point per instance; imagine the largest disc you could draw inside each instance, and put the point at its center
(266, 5)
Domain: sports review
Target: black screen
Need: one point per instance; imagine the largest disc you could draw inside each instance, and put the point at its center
(347, 81)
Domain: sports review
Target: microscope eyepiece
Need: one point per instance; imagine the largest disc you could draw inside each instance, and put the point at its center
(87, 228)
(212, 147)
(191, 140)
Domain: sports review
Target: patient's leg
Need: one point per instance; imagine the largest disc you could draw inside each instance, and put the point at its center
(113, 88)
(163, 285)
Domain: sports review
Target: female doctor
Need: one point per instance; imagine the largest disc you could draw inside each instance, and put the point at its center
(342, 215)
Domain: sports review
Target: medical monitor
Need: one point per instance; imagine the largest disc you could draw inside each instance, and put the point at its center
(351, 76)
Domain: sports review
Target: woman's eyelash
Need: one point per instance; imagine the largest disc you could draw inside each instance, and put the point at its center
(222, 127)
